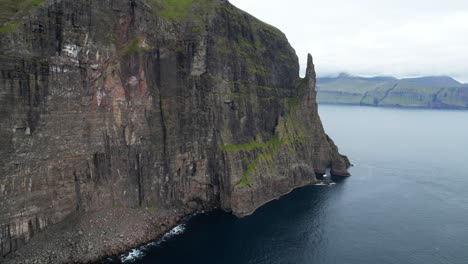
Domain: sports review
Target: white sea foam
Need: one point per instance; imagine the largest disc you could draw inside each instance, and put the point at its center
(132, 256)
(139, 253)
(174, 232)
(325, 183)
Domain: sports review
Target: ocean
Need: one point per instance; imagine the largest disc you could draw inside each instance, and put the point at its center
(406, 202)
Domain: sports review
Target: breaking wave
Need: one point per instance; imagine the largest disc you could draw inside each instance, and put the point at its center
(132, 256)
(174, 232)
(137, 254)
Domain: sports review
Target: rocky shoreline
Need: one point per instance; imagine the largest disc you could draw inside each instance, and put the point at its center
(129, 252)
(98, 236)
(90, 238)
(95, 237)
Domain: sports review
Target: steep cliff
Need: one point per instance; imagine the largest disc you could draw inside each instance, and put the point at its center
(117, 108)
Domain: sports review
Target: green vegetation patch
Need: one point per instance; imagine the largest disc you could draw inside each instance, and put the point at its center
(8, 27)
(11, 12)
(134, 46)
(246, 179)
(179, 10)
(175, 9)
(266, 151)
(290, 132)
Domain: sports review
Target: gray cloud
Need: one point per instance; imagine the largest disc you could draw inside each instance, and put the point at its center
(373, 37)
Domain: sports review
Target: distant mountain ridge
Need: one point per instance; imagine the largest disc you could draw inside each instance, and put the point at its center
(424, 92)
(440, 81)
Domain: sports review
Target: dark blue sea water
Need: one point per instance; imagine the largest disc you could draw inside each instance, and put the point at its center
(407, 201)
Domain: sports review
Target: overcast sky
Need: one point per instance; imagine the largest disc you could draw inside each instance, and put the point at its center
(402, 38)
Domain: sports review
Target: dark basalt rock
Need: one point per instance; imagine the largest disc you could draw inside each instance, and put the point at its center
(107, 105)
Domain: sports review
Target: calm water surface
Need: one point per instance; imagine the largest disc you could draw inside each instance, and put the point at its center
(407, 201)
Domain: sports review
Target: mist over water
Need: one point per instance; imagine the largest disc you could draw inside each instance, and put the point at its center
(405, 203)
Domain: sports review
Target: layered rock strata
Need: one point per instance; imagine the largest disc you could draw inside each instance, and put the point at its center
(150, 107)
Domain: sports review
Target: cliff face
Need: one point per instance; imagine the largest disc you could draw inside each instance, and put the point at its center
(425, 92)
(157, 104)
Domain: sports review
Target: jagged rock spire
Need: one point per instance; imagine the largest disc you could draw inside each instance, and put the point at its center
(310, 71)
(310, 75)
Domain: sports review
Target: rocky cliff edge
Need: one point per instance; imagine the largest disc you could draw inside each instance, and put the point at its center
(119, 117)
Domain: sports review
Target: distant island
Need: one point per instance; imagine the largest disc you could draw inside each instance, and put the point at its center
(441, 92)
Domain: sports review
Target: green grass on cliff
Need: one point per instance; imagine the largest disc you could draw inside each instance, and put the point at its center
(174, 9)
(246, 179)
(179, 10)
(290, 132)
(266, 151)
(134, 46)
(11, 12)
(273, 141)
(8, 27)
